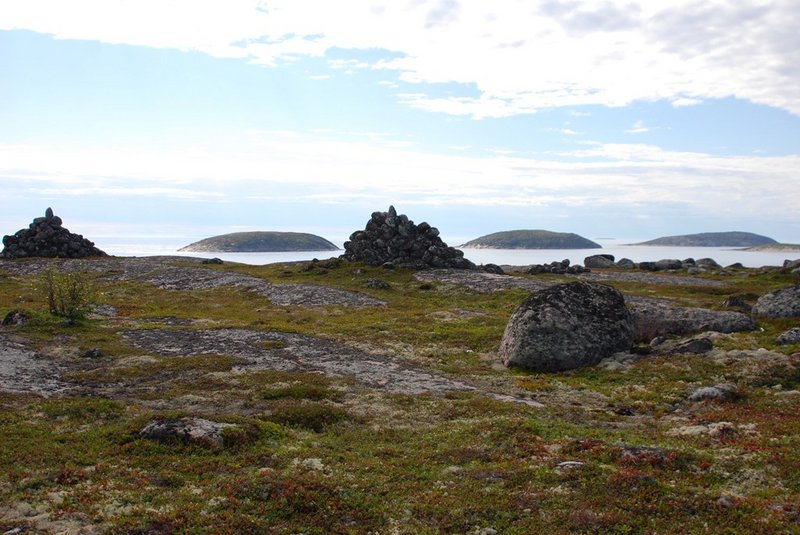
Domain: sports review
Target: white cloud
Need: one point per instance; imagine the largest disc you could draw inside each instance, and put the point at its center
(518, 56)
(324, 166)
(638, 128)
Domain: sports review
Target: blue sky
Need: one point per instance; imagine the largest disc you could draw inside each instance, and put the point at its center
(179, 120)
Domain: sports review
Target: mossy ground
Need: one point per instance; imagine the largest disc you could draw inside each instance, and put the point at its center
(316, 454)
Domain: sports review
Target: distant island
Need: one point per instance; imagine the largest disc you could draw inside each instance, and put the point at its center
(531, 239)
(261, 242)
(712, 239)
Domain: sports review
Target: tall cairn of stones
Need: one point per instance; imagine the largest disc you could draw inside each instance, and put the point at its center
(45, 237)
(391, 239)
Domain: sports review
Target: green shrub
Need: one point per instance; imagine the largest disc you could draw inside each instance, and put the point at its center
(68, 294)
(309, 415)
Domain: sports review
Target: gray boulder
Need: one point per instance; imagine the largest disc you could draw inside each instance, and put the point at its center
(625, 263)
(719, 392)
(654, 317)
(567, 326)
(707, 263)
(692, 346)
(791, 266)
(792, 336)
(194, 430)
(669, 263)
(599, 261)
(783, 303)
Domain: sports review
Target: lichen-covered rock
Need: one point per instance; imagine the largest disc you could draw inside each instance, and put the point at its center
(45, 237)
(194, 430)
(783, 303)
(792, 336)
(654, 318)
(395, 239)
(567, 326)
(599, 261)
(719, 392)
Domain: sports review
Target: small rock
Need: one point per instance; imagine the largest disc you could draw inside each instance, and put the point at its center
(15, 317)
(195, 430)
(492, 268)
(377, 284)
(93, 353)
(792, 336)
(214, 261)
(570, 465)
(719, 392)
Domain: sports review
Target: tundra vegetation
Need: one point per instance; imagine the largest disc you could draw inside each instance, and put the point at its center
(602, 449)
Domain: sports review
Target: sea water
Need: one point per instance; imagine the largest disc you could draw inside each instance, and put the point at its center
(620, 248)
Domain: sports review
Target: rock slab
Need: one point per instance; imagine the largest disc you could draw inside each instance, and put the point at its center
(567, 326)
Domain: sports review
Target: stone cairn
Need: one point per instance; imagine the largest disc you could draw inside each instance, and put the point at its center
(394, 240)
(45, 237)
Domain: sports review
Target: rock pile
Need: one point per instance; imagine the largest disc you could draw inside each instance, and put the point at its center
(45, 237)
(391, 239)
(667, 264)
(567, 326)
(559, 268)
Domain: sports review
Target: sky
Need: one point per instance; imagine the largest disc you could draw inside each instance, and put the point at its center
(177, 120)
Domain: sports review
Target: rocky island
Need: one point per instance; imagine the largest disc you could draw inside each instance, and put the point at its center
(531, 239)
(712, 239)
(261, 242)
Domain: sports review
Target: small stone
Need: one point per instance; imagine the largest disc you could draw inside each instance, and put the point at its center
(93, 353)
(15, 317)
(792, 336)
(570, 465)
(719, 392)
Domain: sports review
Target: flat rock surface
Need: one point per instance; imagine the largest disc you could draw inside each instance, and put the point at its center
(24, 370)
(489, 282)
(291, 352)
(163, 273)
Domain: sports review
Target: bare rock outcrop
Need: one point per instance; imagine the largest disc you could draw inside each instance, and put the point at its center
(45, 237)
(567, 326)
(394, 239)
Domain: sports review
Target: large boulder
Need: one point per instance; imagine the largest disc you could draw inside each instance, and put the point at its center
(394, 239)
(599, 261)
(45, 237)
(567, 326)
(783, 303)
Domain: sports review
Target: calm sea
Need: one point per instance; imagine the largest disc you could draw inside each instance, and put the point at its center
(515, 257)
